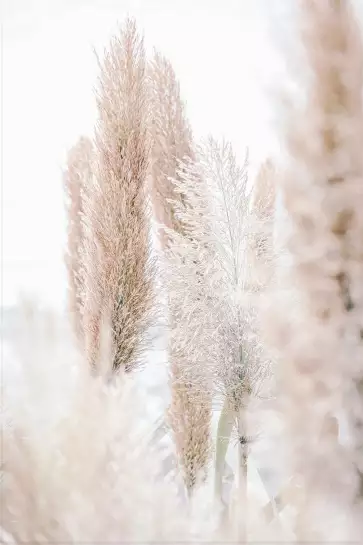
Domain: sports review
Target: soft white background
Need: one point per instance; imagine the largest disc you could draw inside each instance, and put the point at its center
(222, 56)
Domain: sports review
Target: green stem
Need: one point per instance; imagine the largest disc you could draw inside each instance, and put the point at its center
(242, 477)
(224, 430)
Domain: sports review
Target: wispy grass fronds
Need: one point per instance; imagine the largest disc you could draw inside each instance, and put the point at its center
(119, 270)
(75, 471)
(320, 331)
(77, 179)
(214, 324)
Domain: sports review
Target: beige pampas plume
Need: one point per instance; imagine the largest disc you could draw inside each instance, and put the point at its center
(118, 269)
(189, 416)
(262, 223)
(172, 141)
(190, 411)
(321, 316)
(263, 199)
(77, 178)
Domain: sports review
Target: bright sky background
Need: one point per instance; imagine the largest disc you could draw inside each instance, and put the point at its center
(222, 56)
